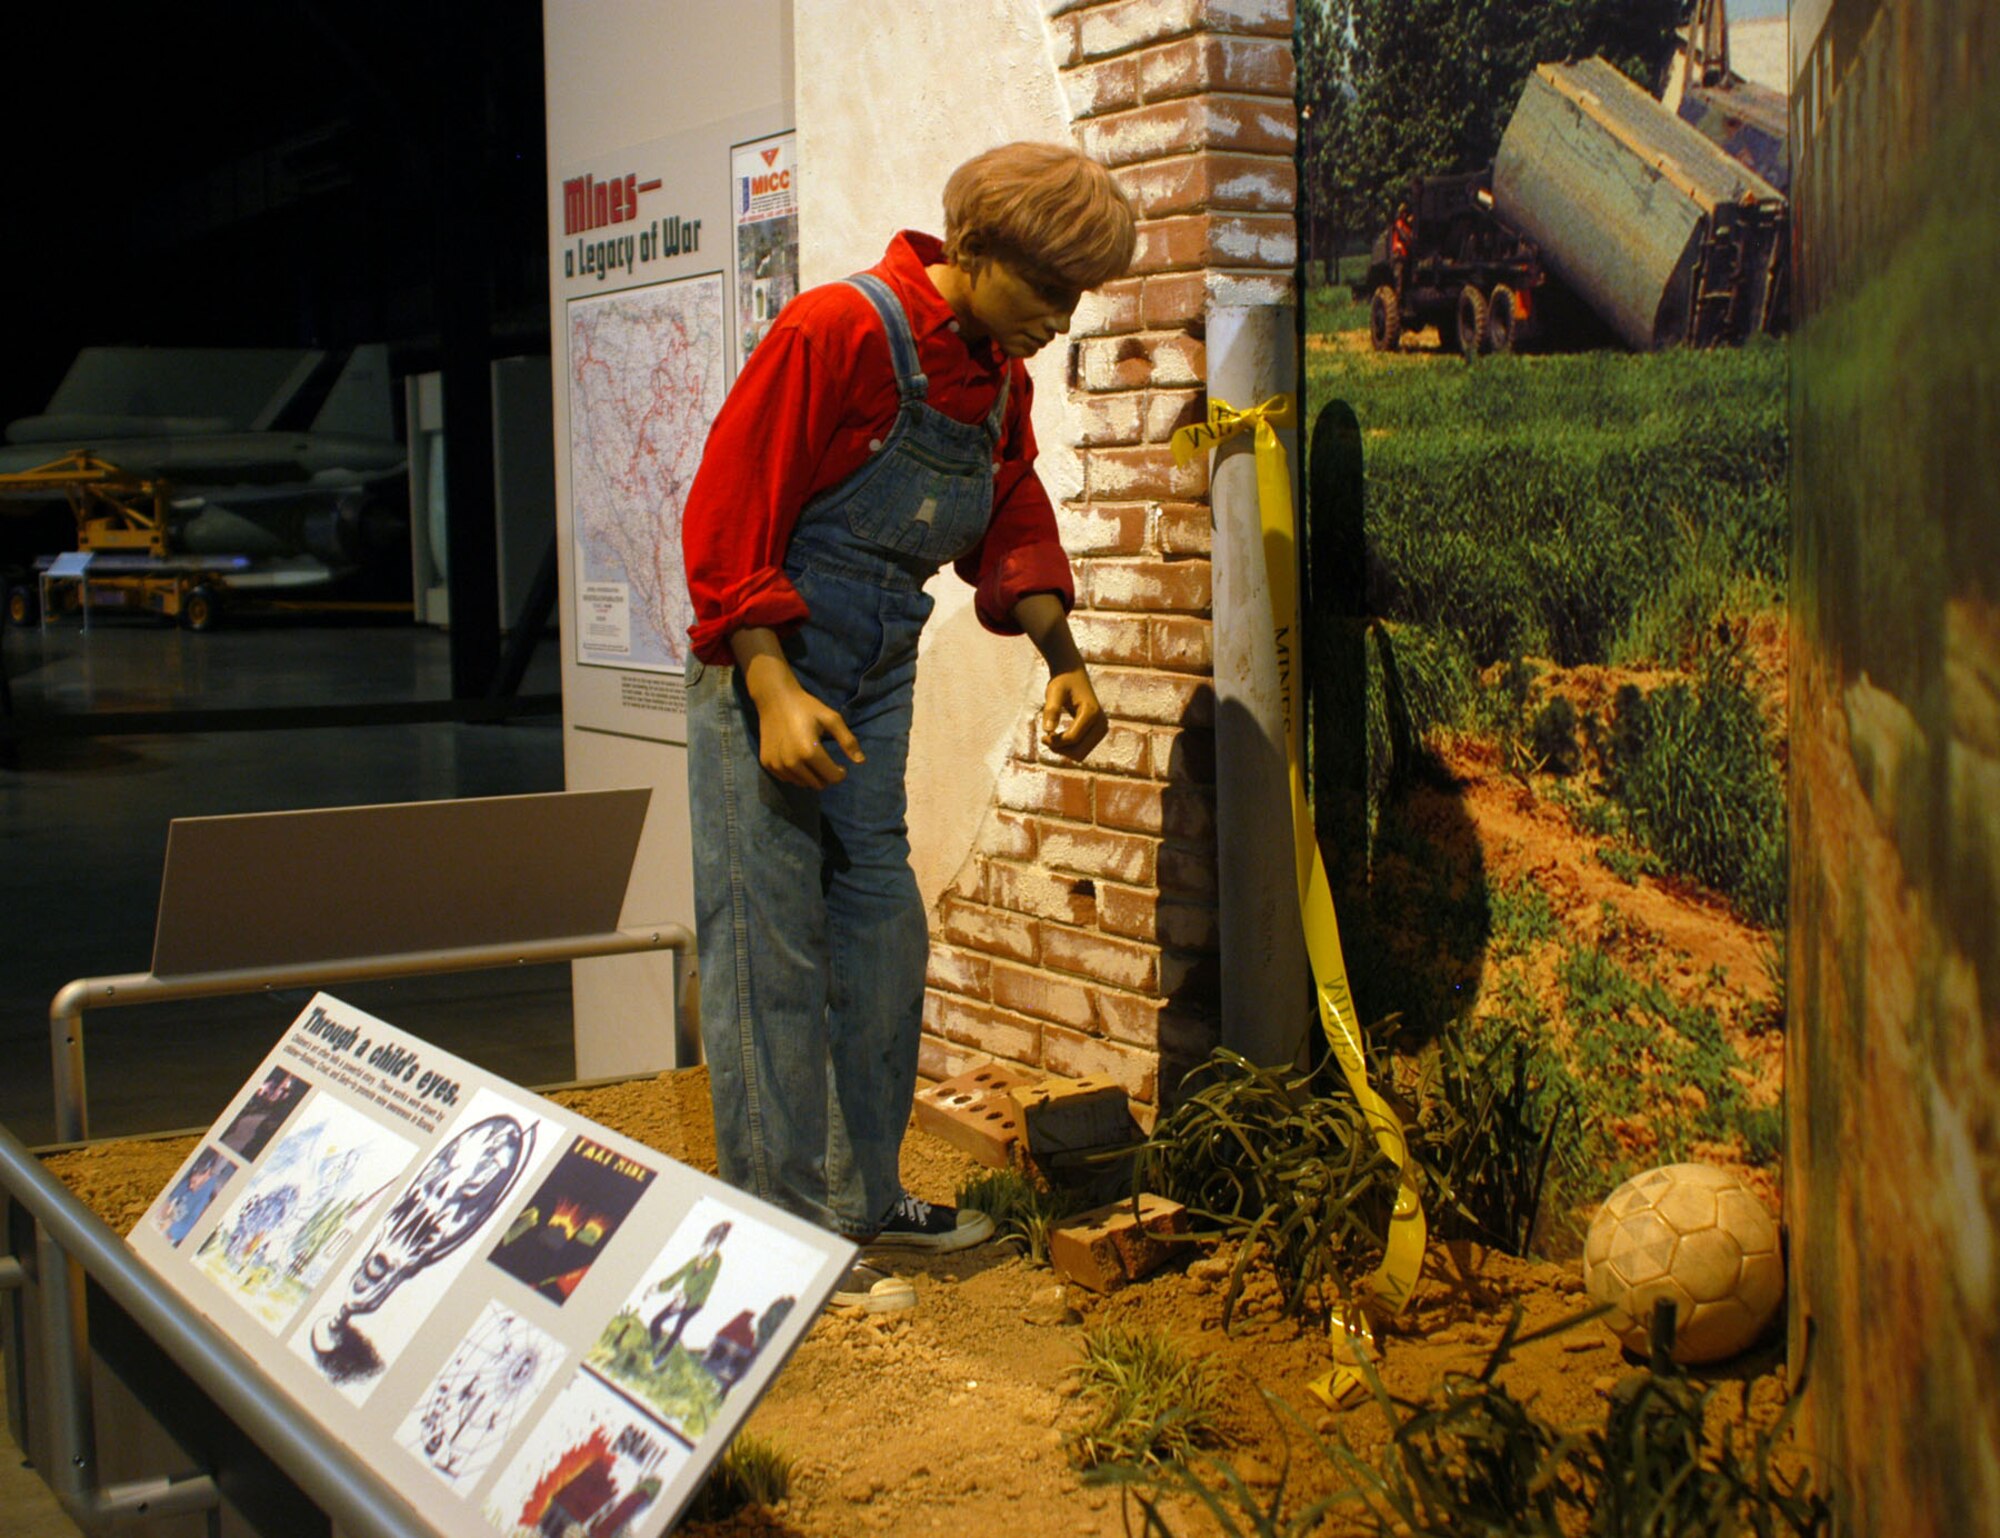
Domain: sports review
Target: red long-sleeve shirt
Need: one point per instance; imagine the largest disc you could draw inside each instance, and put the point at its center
(818, 389)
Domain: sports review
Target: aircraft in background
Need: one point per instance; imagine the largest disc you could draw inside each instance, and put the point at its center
(281, 462)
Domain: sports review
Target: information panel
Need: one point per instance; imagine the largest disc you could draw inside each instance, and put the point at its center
(527, 1323)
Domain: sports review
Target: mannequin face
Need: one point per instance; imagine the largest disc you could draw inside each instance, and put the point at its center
(1019, 312)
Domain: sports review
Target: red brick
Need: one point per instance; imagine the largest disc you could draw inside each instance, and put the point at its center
(960, 971)
(1255, 125)
(1098, 852)
(1147, 471)
(1094, 89)
(1008, 836)
(1130, 1018)
(1110, 310)
(1065, 47)
(1173, 244)
(1185, 528)
(1043, 995)
(1147, 585)
(1108, 1247)
(1184, 241)
(1173, 299)
(970, 882)
(1120, 28)
(1186, 645)
(1164, 699)
(1127, 911)
(978, 1025)
(1133, 1070)
(1107, 30)
(1099, 528)
(1188, 926)
(1187, 872)
(1206, 182)
(1168, 411)
(1113, 962)
(1130, 804)
(1041, 893)
(974, 1111)
(1062, 1116)
(992, 930)
(938, 1059)
(1189, 814)
(1113, 638)
(1260, 66)
(1035, 789)
(1160, 359)
(1124, 750)
(1183, 757)
(1105, 421)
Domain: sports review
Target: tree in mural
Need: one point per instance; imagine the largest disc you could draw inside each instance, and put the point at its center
(1390, 89)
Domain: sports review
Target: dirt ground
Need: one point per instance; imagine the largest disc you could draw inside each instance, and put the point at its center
(954, 1419)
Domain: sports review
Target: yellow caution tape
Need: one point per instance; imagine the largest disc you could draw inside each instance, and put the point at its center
(1389, 1288)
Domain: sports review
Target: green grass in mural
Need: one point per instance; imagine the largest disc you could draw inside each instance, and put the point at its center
(1694, 766)
(1578, 506)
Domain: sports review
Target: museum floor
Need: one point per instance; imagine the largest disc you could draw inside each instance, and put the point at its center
(84, 822)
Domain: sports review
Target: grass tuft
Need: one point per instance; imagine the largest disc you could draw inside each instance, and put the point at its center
(1023, 1211)
(752, 1471)
(1152, 1404)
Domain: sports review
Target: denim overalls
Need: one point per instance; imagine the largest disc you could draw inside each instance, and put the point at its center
(812, 933)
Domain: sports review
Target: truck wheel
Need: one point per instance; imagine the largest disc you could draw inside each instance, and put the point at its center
(198, 609)
(1385, 320)
(1472, 312)
(23, 606)
(1502, 320)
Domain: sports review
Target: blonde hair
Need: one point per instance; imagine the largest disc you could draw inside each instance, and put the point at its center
(1044, 209)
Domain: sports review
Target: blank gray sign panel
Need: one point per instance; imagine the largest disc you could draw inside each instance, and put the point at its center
(292, 888)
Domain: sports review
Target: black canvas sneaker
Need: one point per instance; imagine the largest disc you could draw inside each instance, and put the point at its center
(931, 1227)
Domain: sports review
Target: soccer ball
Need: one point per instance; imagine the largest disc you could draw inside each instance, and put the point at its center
(1697, 1236)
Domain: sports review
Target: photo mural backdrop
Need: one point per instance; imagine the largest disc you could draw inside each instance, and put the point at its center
(1547, 571)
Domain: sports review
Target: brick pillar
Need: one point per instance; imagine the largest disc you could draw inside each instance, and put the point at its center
(1081, 935)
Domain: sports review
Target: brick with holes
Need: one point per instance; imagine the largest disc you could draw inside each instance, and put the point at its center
(973, 1111)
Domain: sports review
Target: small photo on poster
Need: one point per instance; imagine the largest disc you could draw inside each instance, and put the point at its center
(558, 1235)
(424, 1239)
(702, 1314)
(270, 1104)
(593, 1465)
(766, 211)
(189, 1197)
(465, 1416)
(321, 1182)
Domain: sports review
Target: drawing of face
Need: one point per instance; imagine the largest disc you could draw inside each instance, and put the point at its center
(451, 1197)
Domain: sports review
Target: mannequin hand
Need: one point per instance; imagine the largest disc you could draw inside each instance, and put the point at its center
(1070, 694)
(792, 729)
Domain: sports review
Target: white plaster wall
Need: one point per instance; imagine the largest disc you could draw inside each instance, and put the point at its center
(889, 100)
(622, 73)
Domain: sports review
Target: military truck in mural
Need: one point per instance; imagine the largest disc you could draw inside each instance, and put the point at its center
(1598, 194)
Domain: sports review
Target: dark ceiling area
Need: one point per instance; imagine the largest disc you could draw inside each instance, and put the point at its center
(289, 173)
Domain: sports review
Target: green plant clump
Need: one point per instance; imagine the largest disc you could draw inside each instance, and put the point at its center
(1471, 1460)
(1152, 1404)
(752, 1470)
(1023, 1211)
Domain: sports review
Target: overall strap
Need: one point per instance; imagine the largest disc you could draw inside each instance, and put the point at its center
(996, 419)
(910, 382)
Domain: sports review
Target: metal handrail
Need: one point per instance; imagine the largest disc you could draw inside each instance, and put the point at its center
(359, 1500)
(67, 1007)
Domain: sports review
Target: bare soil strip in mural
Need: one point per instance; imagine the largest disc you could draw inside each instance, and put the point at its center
(960, 1417)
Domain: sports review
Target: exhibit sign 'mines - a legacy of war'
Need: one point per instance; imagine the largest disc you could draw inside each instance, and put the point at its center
(662, 252)
(558, 1327)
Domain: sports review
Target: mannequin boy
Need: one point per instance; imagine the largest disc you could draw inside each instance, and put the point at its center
(879, 431)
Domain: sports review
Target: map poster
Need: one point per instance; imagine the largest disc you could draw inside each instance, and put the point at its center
(523, 1321)
(765, 207)
(646, 370)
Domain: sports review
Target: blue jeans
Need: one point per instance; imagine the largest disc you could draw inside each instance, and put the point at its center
(813, 934)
